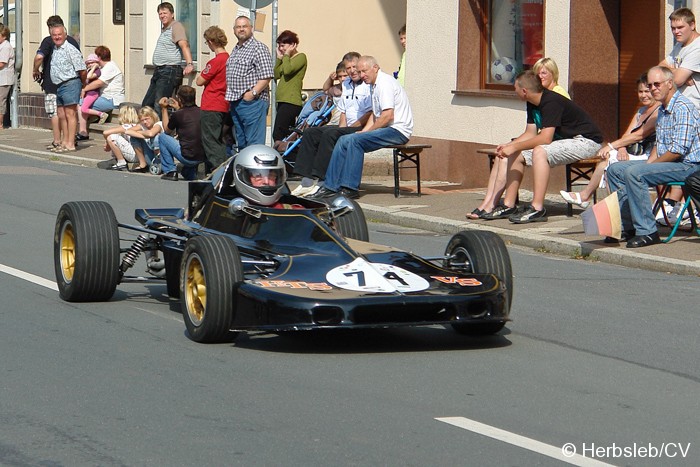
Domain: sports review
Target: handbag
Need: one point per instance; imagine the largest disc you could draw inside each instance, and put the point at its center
(643, 146)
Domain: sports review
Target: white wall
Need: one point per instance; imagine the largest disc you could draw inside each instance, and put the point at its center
(431, 64)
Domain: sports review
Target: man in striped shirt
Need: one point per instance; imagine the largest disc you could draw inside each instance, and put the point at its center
(248, 74)
(171, 48)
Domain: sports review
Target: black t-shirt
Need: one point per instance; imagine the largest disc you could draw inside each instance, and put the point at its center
(46, 49)
(189, 131)
(567, 118)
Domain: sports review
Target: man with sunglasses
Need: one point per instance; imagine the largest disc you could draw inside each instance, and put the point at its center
(675, 157)
(317, 144)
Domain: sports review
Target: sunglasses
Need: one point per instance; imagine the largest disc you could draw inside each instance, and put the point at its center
(657, 84)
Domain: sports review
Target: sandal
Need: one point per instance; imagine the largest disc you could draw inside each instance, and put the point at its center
(65, 149)
(574, 198)
(475, 214)
(53, 146)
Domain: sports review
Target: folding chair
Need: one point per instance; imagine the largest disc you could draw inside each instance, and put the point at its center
(687, 205)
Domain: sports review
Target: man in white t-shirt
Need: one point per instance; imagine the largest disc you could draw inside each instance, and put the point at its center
(684, 59)
(390, 124)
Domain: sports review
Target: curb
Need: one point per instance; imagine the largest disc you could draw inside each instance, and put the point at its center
(559, 246)
(49, 155)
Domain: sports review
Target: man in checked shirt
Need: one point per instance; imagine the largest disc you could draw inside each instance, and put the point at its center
(248, 74)
(675, 157)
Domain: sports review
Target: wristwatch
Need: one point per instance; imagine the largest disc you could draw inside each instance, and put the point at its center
(255, 93)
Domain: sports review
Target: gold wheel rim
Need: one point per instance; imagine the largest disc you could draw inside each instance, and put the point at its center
(67, 257)
(195, 290)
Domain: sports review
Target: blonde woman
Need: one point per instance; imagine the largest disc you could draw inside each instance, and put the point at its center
(119, 143)
(144, 137)
(547, 71)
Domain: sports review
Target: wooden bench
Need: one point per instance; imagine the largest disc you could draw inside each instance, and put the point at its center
(410, 154)
(576, 171)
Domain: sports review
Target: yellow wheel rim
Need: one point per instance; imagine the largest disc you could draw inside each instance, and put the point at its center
(67, 252)
(195, 290)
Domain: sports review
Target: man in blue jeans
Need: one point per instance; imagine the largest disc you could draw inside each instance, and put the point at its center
(390, 124)
(171, 48)
(188, 147)
(675, 157)
(248, 74)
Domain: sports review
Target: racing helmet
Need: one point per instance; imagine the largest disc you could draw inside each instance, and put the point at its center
(259, 174)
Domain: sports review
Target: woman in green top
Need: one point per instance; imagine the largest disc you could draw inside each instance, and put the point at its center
(290, 69)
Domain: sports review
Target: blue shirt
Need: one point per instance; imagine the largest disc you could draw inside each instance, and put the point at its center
(677, 129)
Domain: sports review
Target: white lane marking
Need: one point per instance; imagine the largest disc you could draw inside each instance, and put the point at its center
(177, 318)
(520, 441)
(29, 277)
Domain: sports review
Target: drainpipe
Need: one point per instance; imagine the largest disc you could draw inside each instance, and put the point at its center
(14, 100)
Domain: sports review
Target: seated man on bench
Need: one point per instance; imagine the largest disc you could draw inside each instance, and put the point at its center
(566, 134)
(390, 124)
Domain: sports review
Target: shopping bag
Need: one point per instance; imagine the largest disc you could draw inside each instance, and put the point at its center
(603, 218)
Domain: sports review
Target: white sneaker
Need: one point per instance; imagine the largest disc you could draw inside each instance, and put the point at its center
(686, 223)
(312, 191)
(668, 209)
(304, 190)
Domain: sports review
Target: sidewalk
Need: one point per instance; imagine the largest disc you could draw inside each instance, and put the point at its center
(441, 209)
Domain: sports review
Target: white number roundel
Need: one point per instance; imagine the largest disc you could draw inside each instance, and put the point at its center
(363, 276)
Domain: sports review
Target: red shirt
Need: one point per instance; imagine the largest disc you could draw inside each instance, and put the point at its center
(214, 91)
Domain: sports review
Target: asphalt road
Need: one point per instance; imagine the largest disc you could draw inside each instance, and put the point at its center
(598, 356)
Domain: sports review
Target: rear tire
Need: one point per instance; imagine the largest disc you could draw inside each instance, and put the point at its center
(86, 251)
(481, 253)
(353, 223)
(211, 270)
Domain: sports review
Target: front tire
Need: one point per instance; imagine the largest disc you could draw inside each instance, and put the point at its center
(86, 251)
(481, 253)
(353, 224)
(210, 272)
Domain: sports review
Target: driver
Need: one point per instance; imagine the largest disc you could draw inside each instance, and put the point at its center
(260, 175)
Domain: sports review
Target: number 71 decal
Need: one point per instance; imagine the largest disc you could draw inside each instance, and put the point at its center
(363, 276)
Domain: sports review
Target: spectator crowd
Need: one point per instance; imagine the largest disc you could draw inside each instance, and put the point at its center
(661, 144)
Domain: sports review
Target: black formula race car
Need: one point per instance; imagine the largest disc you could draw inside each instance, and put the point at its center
(304, 265)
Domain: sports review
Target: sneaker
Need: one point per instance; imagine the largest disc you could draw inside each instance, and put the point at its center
(171, 176)
(349, 193)
(500, 212)
(687, 224)
(667, 206)
(314, 189)
(103, 118)
(324, 192)
(304, 190)
(120, 167)
(530, 214)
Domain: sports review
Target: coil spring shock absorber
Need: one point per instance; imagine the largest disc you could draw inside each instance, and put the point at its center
(132, 255)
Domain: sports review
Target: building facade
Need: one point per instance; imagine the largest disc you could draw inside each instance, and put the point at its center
(456, 49)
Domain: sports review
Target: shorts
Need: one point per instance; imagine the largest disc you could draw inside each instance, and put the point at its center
(125, 147)
(566, 151)
(4, 92)
(68, 92)
(103, 104)
(50, 105)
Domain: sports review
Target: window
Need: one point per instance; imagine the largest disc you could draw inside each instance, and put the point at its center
(497, 39)
(515, 39)
(69, 10)
(186, 13)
